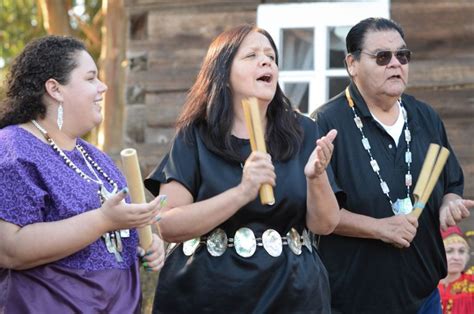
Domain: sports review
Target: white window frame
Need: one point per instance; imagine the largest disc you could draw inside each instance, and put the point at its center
(319, 16)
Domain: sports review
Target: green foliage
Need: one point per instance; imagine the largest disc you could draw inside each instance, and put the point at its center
(20, 22)
(91, 7)
(88, 15)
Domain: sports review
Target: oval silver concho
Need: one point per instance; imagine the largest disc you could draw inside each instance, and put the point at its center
(217, 242)
(190, 246)
(244, 242)
(294, 241)
(307, 240)
(272, 242)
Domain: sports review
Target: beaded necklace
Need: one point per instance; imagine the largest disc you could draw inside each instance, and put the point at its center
(103, 193)
(113, 239)
(401, 206)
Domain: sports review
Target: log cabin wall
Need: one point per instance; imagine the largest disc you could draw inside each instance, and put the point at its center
(168, 40)
(441, 36)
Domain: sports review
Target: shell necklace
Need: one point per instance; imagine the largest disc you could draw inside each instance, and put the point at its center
(401, 206)
(113, 239)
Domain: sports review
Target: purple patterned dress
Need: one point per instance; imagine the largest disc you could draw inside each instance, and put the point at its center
(36, 186)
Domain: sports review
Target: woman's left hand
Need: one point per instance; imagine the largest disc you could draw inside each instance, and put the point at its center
(321, 156)
(154, 258)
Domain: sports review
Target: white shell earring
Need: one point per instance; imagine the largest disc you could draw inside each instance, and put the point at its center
(60, 119)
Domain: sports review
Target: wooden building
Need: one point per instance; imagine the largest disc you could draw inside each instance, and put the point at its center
(168, 39)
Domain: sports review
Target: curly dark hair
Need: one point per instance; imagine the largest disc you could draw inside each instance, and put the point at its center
(42, 59)
(209, 103)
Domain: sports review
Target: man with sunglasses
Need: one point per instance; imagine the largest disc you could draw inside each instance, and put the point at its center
(381, 259)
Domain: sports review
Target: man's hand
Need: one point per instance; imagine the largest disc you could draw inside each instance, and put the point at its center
(453, 211)
(398, 230)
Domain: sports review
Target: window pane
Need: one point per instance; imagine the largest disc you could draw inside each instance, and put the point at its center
(298, 93)
(337, 46)
(297, 49)
(337, 85)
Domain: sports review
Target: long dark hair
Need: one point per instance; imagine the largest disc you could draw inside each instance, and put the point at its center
(209, 103)
(42, 59)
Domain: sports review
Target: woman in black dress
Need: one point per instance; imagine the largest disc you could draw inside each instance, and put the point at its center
(233, 254)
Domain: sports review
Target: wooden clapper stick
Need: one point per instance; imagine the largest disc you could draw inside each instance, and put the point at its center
(432, 166)
(131, 170)
(257, 141)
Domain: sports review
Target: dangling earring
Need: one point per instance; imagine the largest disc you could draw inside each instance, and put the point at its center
(60, 119)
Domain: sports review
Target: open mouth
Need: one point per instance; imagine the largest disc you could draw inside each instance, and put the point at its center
(395, 77)
(267, 78)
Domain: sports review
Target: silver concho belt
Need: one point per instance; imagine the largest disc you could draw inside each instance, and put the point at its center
(245, 243)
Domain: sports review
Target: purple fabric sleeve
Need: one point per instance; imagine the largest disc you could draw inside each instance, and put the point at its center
(22, 200)
(37, 186)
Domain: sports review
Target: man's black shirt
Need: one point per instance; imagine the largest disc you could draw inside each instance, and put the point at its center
(367, 275)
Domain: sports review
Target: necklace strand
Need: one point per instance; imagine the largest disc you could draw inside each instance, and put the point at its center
(112, 239)
(373, 161)
(87, 159)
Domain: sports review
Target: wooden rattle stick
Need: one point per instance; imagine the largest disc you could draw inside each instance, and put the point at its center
(437, 169)
(248, 123)
(426, 169)
(252, 114)
(424, 176)
(131, 170)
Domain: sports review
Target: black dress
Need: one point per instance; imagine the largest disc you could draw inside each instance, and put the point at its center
(230, 283)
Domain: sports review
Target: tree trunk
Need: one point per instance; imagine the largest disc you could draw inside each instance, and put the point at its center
(55, 16)
(112, 66)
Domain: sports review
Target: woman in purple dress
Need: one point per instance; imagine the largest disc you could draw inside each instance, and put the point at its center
(67, 239)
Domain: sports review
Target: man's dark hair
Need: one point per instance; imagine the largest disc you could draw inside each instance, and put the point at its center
(356, 37)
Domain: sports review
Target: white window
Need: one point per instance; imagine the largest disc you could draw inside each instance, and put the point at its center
(311, 43)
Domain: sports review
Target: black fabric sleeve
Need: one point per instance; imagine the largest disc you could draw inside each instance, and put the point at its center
(321, 122)
(321, 129)
(180, 164)
(452, 173)
(340, 194)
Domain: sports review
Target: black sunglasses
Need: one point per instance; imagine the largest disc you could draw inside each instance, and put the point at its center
(384, 57)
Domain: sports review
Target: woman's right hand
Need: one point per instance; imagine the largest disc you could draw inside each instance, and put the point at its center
(120, 215)
(258, 169)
